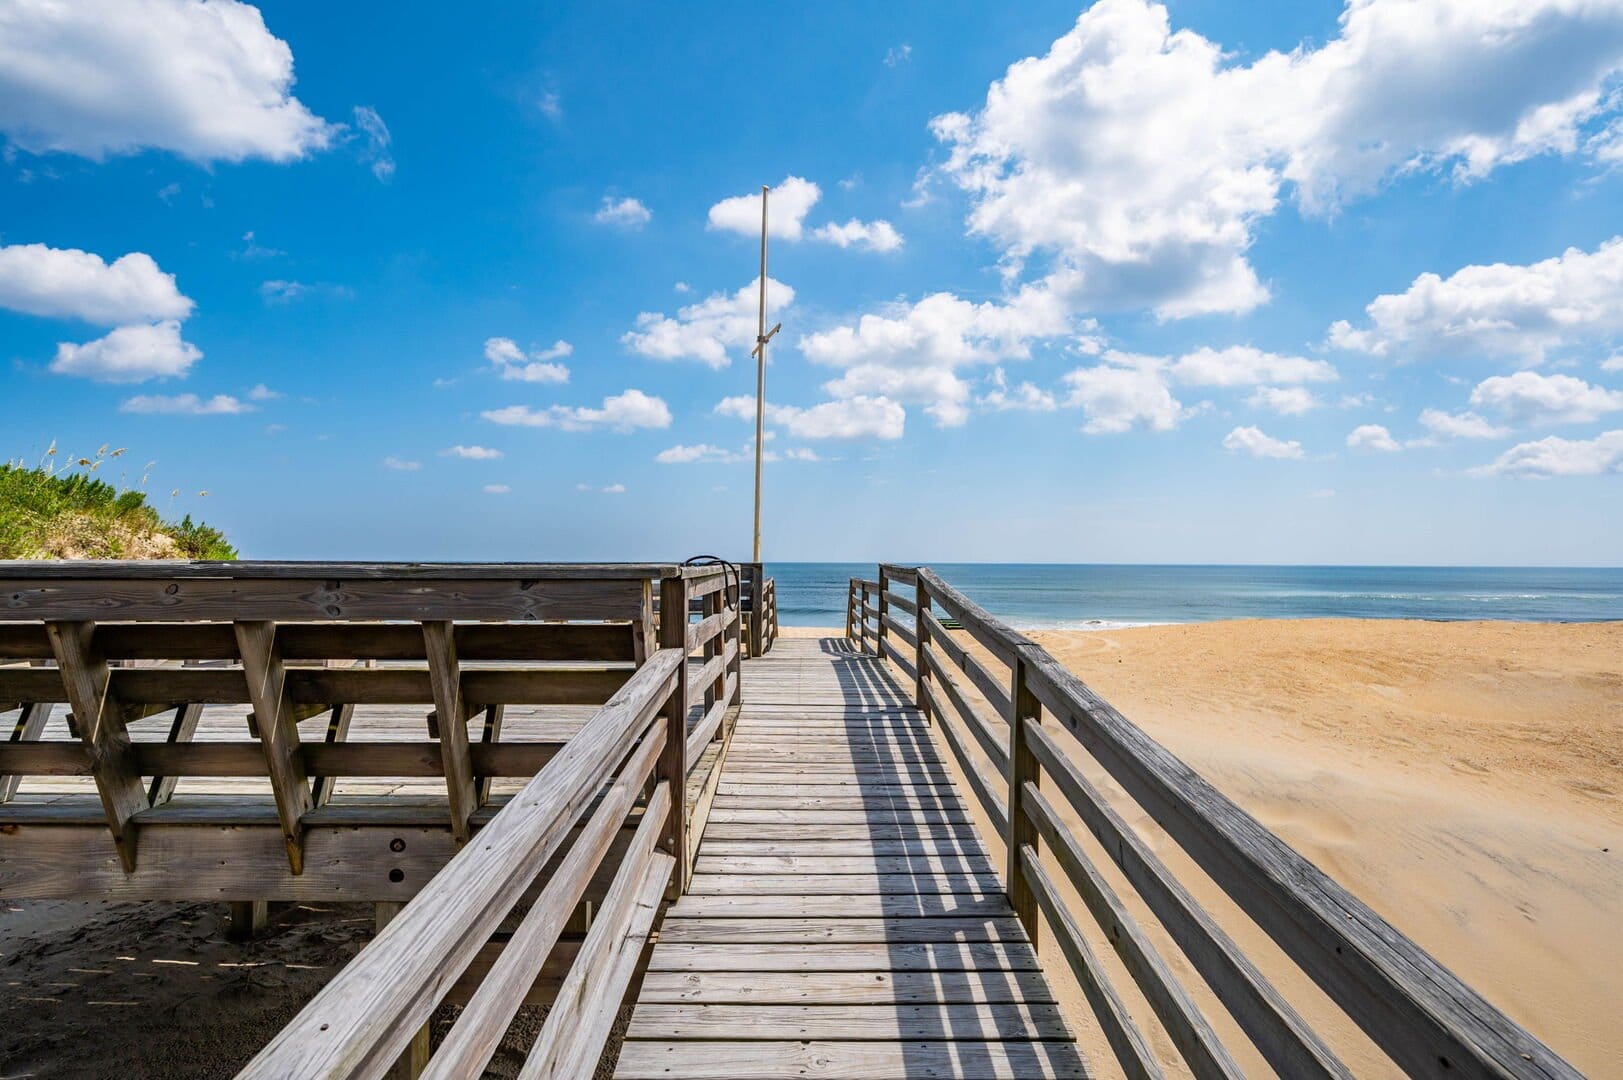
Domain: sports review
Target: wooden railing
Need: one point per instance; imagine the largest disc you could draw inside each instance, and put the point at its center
(123, 644)
(1035, 715)
(362, 1021)
(760, 606)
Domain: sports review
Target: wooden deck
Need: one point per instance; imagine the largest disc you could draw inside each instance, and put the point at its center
(843, 919)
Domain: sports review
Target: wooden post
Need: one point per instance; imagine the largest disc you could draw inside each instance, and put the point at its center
(673, 634)
(1022, 767)
(710, 605)
(414, 1058)
(757, 605)
(445, 674)
(862, 615)
(884, 609)
(737, 631)
(850, 608)
(920, 669)
(642, 631)
(100, 714)
(248, 919)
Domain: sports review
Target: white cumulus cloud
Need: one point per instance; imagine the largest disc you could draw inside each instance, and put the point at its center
(1123, 391)
(1284, 400)
(787, 206)
(1243, 365)
(623, 213)
(537, 367)
(849, 418)
(1465, 425)
(1498, 311)
(1373, 437)
(74, 284)
(471, 453)
(624, 412)
(1251, 440)
(1144, 157)
(879, 235)
(207, 81)
(1555, 456)
(185, 405)
(1530, 398)
(129, 354)
(708, 330)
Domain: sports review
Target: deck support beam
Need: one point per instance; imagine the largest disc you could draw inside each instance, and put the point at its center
(248, 919)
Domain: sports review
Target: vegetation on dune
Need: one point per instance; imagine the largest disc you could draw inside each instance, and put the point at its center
(48, 512)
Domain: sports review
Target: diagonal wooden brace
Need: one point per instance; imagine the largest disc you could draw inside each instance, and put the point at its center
(278, 726)
(100, 723)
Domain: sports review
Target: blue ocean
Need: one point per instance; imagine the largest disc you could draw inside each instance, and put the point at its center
(1080, 597)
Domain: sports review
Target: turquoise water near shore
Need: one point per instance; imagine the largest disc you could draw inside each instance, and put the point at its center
(1083, 597)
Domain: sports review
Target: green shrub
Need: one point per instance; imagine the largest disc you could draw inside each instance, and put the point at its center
(50, 513)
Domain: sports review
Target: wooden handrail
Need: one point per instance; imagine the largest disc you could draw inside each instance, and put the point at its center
(362, 1019)
(1421, 1015)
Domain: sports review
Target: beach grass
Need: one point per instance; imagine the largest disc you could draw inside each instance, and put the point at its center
(59, 509)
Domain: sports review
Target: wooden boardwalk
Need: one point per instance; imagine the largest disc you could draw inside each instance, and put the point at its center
(844, 919)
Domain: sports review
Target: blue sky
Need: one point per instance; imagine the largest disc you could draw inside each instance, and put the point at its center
(1274, 282)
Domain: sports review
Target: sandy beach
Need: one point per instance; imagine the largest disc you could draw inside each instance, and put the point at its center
(1462, 778)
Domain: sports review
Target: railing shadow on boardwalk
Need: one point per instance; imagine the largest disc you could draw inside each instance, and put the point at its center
(917, 806)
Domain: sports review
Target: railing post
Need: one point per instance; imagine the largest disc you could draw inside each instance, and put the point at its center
(850, 608)
(1022, 767)
(757, 603)
(921, 600)
(672, 767)
(884, 609)
(737, 632)
(711, 605)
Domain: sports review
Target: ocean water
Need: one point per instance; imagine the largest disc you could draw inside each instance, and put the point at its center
(1050, 597)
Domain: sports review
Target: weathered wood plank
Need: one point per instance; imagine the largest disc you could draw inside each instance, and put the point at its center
(579, 1021)
(478, 1030)
(844, 988)
(835, 904)
(840, 865)
(917, 1060)
(972, 956)
(811, 884)
(680, 930)
(1009, 1022)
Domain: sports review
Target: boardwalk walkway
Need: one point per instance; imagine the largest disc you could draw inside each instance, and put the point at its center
(844, 919)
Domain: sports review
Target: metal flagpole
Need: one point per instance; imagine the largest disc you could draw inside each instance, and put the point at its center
(761, 338)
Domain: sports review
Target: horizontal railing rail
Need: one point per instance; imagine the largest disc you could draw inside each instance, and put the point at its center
(995, 694)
